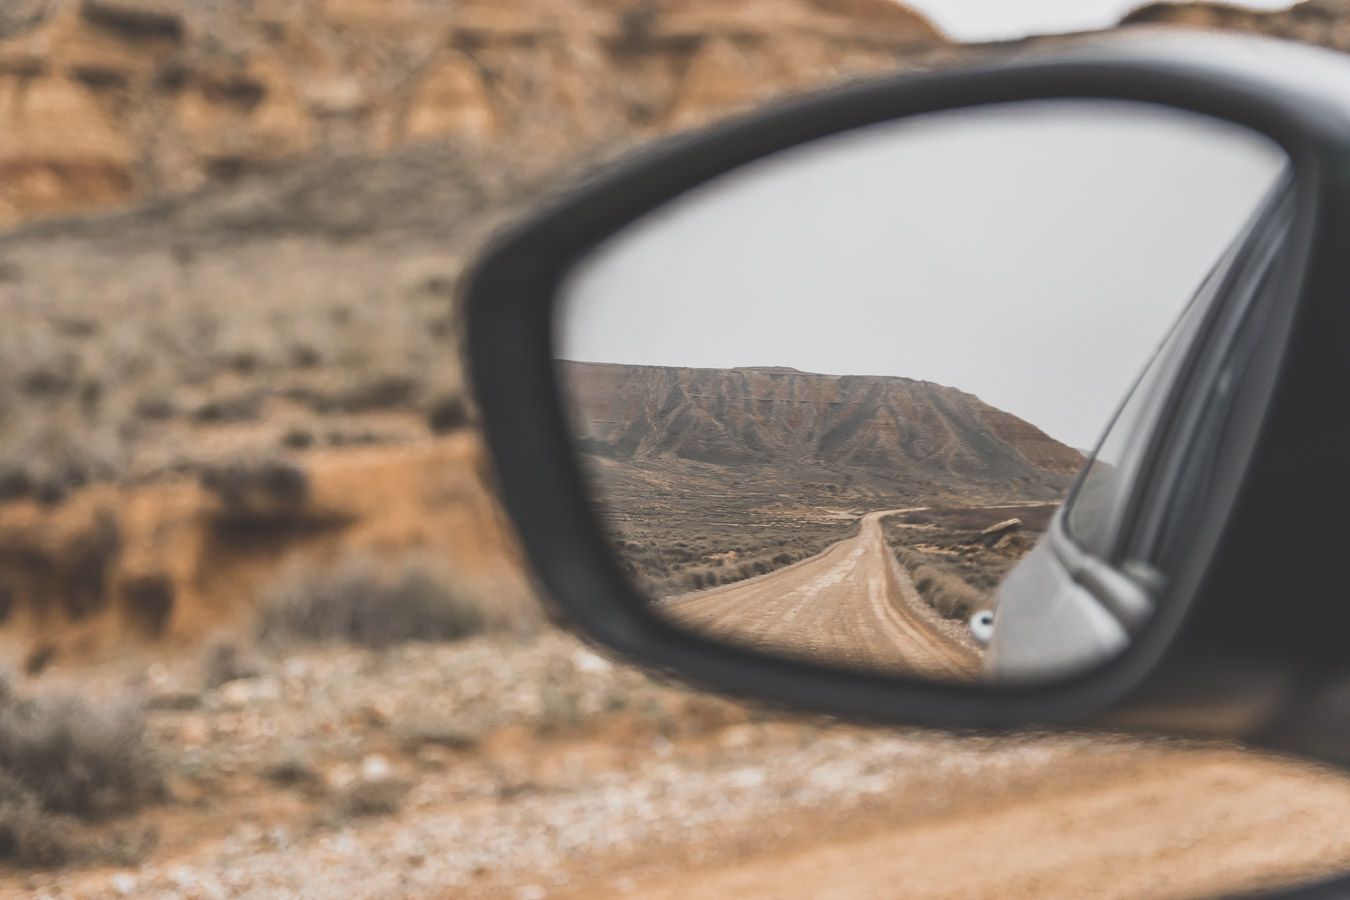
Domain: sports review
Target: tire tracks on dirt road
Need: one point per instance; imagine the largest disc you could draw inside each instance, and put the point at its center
(851, 604)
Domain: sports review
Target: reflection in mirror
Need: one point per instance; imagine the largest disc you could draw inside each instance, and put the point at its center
(828, 402)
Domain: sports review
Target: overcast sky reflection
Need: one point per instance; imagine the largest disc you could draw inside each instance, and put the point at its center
(1033, 255)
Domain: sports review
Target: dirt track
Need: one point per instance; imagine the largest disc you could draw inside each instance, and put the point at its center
(851, 604)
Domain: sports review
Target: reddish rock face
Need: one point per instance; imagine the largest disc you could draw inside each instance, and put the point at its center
(781, 417)
(108, 102)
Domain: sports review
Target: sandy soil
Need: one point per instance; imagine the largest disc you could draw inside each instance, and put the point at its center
(1187, 823)
(530, 767)
(852, 604)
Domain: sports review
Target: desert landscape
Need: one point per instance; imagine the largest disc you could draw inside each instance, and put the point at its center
(264, 630)
(857, 519)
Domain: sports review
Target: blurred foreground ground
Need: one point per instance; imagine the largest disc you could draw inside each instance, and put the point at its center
(289, 731)
(527, 766)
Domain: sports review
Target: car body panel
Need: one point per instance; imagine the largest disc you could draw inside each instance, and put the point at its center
(511, 293)
(1046, 624)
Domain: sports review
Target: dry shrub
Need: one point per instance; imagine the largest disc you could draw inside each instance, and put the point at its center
(256, 482)
(257, 496)
(951, 596)
(376, 797)
(370, 605)
(379, 392)
(447, 413)
(65, 761)
(360, 394)
(242, 407)
(297, 438)
(32, 836)
(148, 602)
(223, 661)
(76, 757)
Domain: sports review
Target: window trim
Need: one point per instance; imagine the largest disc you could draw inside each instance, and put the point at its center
(1227, 332)
(1108, 573)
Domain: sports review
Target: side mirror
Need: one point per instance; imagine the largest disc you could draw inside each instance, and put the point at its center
(943, 400)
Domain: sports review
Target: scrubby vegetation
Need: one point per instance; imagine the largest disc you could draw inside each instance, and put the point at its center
(66, 762)
(665, 560)
(949, 594)
(137, 384)
(681, 526)
(364, 603)
(955, 567)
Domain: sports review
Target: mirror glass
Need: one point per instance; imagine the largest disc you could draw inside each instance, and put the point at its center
(831, 403)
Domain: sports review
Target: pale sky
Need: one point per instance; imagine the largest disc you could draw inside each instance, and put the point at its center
(992, 20)
(1033, 255)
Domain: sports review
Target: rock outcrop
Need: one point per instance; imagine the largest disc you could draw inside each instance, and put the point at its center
(107, 102)
(903, 428)
(1324, 22)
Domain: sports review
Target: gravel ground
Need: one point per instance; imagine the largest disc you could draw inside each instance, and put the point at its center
(490, 766)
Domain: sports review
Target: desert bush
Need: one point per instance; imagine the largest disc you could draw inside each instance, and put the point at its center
(304, 356)
(369, 605)
(34, 837)
(65, 761)
(949, 595)
(447, 413)
(264, 482)
(16, 482)
(292, 769)
(439, 285)
(76, 757)
(31, 836)
(373, 797)
(242, 407)
(148, 602)
(222, 662)
(48, 477)
(48, 381)
(39, 658)
(156, 407)
(297, 438)
(380, 392)
(360, 395)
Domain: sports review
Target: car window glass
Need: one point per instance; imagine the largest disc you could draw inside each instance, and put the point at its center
(1205, 437)
(1090, 511)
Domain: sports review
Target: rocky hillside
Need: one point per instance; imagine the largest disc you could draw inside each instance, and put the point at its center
(913, 430)
(107, 102)
(1324, 22)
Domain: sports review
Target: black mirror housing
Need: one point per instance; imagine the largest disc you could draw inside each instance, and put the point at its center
(1214, 661)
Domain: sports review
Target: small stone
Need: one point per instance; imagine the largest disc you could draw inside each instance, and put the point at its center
(246, 691)
(375, 768)
(589, 663)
